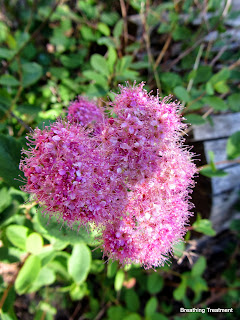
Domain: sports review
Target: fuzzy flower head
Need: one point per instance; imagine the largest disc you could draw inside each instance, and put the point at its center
(142, 129)
(69, 176)
(129, 175)
(86, 113)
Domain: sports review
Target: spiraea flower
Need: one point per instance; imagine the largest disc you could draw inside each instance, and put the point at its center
(130, 175)
(69, 176)
(87, 113)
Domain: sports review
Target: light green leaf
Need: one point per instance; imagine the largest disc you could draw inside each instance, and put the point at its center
(210, 173)
(8, 80)
(45, 277)
(118, 282)
(104, 29)
(233, 146)
(112, 58)
(28, 274)
(79, 263)
(99, 64)
(111, 269)
(179, 248)
(32, 72)
(199, 267)
(204, 226)
(154, 283)
(34, 243)
(17, 235)
(182, 94)
(132, 316)
(118, 29)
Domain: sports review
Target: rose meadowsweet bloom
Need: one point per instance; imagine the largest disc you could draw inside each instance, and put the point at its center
(130, 175)
(86, 113)
(69, 176)
(145, 148)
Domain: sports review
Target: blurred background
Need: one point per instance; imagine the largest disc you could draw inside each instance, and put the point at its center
(53, 51)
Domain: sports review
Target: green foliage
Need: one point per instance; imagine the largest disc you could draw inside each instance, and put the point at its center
(88, 49)
(233, 146)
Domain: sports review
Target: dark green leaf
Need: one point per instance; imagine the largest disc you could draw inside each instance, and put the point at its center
(32, 72)
(210, 173)
(154, 283)
(8, 80)
(132, 300)
(216, 103)
(182, 94)
(194, 118)
(118, 29)
(151, 307)
(10, 154)
(234, 102)
(199, 267)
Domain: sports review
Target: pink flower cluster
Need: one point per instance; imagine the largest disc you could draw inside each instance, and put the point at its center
(129, 175)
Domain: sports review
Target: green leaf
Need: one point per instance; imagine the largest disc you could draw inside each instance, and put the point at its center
(221, 87)
(216, 103)
(74, 235)
(5, 199)
(118, 282)
(194, 119)
(45, 277)
(171, 79)
(8, 80)
(209, 172)
(104, 29)
(132, 301)
(195, 106)
(204, 226)
(233, 146)
(17, 235)
(77, 292)
(180, 292)
(79, 263)
(132, 316)
(222, 75)
(72, 60)
(234, 102)
(112, 58)
(118, 29)
(99, 64)
(154, 283)
(32, 72)
(111, 269)
(199, 267)
(34, 243)
(179, 248)
(10, 154)
(182, 94)
(28, 274)
(151, 306)
(95, 76)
